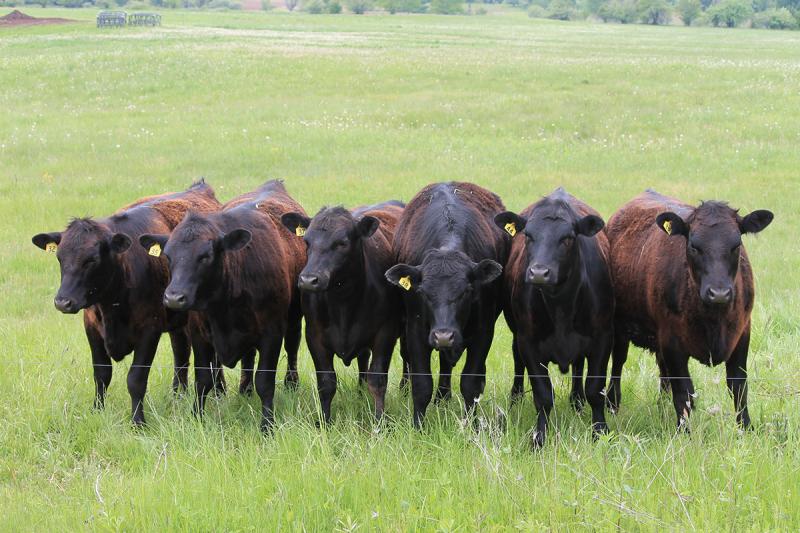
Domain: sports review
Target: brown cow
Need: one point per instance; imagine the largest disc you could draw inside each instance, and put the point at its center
(120, 288)
(239, 268)
(684, 287)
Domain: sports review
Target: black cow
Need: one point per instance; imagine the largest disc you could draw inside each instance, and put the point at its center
(239, 268)
(450, 255)
(119, 287)
(559, 300)
(350, 310)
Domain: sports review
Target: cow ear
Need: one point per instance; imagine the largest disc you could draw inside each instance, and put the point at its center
(510, 222)
(153, 243)
(756, 221)
(404, 276)
(367, 226)
(487, 271)
(589, 225)
(47, 241)
(672, 224)
(236, 240)
(296, 223)
(119, 243)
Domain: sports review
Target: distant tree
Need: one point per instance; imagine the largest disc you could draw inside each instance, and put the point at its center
(654, 11)
(730, 13)
(775, 19)
(291, 4)
(359, 7)
(689, 10)
(624, 11)
(561, 10)
(446, 7)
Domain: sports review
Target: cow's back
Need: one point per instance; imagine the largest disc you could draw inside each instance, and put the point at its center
(441, 210)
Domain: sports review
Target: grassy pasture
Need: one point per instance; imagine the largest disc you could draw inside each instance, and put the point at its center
(358, 109)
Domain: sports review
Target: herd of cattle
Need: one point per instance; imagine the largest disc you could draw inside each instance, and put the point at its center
(228, 280)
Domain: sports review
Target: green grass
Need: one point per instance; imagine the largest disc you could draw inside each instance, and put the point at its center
(359, 109)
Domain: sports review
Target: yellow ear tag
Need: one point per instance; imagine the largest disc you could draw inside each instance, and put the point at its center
(668, 227)
(155, 250)
(299, 231)
(405, 282)
(51, 247)
(511, 229)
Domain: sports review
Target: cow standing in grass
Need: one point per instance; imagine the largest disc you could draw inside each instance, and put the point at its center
(120, 287)
(350, 310)
(239, 268)
(559, 300)
(684, 289)
(450, 255)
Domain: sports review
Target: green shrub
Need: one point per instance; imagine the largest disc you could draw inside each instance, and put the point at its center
(446, 7)
(537, 12)
(729, 13)
(561, 10)
(266, 5)
(333, 7)
(775, 19)
(314, 7)
(654, 11)
(624, 11)
(481, 11)
(689, 10)
(359, 7)
(402, 6)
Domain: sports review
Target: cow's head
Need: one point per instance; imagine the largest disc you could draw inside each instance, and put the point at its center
(713, 235)
(333, 240)
(550, 232)
(196, 252)
(88, 253)
(447, 283)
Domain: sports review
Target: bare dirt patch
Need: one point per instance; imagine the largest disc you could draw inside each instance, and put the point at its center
(18, 18)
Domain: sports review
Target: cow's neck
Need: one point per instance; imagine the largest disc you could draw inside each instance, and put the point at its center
(347, 289)
(115, 293)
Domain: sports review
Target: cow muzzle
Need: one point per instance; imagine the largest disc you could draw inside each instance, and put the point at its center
(442, 338)
(312, 282)
(66, 305)
(175, 300)
(539, 275)
(718, 296)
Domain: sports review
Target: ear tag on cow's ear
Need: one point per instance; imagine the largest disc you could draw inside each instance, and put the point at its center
(299, 231)
(511, 228)
(155, 250)
(668, 227)
(405, 282)
(51, 247)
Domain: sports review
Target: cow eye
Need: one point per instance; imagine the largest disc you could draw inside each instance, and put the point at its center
(89, 262)
(205, 258)
(735, 249)
(694, 249)
(340, 244)
(566, 242)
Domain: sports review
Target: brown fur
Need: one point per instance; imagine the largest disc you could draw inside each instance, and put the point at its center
(647, 265)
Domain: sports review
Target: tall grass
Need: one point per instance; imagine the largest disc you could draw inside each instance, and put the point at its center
(359, 109)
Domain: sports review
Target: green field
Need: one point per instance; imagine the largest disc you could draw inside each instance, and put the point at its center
(353, 110)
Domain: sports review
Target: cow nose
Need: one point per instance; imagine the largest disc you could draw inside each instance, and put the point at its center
(443, 339)
(174, 300)
(308, 282)
(539, 274)
(65, 305)
(719, 296)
